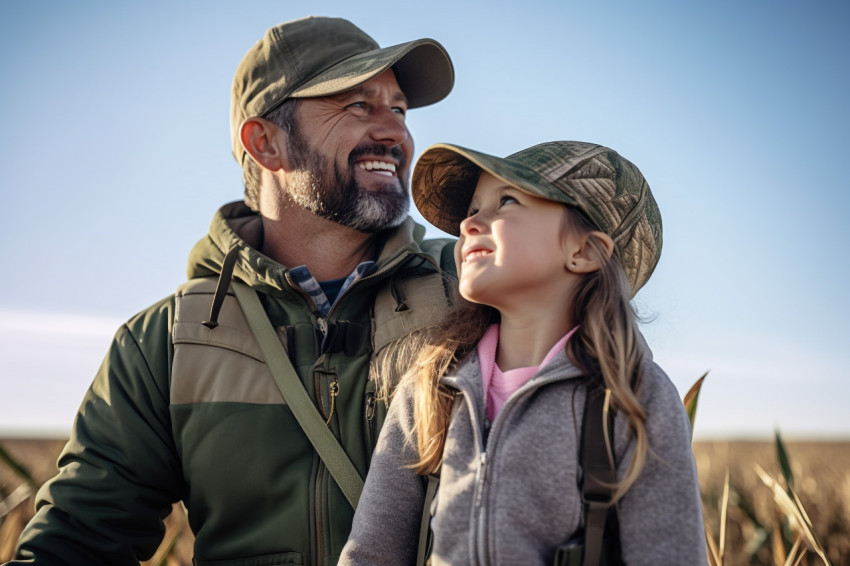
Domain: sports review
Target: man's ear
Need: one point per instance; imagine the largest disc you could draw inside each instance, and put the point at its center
(583, 256)
(263, 141)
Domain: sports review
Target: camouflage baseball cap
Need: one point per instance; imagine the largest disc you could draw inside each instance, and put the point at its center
(607, 188)
(318, 56)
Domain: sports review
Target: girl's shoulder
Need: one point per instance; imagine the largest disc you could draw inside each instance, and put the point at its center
(666, 418)
(657, 390)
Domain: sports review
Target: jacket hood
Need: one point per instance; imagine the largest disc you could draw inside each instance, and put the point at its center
(236, 225)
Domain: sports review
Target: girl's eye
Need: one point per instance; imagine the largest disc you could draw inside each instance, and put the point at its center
(472, 212)
(507, 199)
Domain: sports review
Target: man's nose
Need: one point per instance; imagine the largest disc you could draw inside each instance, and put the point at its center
(388, 127)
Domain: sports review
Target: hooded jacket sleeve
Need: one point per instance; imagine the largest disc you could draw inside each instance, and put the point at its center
(386, 525)
(660, 516)
(118, 474)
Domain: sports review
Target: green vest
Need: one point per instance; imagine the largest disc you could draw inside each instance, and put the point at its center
(226, 407)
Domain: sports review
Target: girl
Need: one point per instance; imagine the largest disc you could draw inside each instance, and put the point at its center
(553, 242)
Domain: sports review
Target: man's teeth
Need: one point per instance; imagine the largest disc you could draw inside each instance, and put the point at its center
(378, 166)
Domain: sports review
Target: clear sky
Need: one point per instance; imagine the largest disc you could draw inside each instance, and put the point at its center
(115, 153)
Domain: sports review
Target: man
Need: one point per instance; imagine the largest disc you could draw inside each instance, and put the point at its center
(184, 407)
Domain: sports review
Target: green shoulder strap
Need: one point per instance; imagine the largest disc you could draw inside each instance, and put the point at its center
(323, 440)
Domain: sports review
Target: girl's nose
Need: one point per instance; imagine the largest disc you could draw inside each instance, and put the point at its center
(472, 224)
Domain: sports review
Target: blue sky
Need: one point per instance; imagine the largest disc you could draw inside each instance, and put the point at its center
(115, 154)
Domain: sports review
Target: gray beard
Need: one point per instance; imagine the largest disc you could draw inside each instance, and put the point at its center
(348, 205)
(321, 187)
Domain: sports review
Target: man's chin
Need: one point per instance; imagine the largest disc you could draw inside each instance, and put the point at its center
(378, 211)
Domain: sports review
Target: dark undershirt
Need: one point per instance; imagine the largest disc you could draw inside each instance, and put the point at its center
(331, 288)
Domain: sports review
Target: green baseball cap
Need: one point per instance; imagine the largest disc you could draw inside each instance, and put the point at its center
(318, 56)
(606, 187)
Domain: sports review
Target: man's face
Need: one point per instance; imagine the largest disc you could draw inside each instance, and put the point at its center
(349, 156)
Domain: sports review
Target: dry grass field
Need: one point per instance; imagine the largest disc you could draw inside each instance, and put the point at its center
(821, 472)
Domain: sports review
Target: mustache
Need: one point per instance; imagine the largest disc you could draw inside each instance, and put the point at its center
(379, 150)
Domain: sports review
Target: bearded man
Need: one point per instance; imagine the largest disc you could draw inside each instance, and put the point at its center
(190, 404)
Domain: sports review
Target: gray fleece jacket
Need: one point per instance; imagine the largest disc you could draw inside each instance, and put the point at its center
(511, 496)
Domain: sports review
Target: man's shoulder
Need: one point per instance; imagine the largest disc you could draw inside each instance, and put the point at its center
(156, 318)
(442, 250)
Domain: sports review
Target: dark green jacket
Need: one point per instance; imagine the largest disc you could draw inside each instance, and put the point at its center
(180, 411)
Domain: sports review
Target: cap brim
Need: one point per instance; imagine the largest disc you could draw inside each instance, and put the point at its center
(445, 177)
(422, 67)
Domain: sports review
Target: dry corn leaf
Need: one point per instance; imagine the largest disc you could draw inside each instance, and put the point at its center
(690, 401)
(791, 507)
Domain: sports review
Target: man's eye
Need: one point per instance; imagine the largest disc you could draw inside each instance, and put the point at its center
(400, 110)
(360, 105)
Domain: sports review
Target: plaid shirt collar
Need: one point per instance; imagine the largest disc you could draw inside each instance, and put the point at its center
(310, 286)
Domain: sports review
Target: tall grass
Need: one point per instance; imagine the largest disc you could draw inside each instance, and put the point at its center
(791, 535)
(752, 515)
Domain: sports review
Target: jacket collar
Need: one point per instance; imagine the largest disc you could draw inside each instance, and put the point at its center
(235, 224)
(467, 377)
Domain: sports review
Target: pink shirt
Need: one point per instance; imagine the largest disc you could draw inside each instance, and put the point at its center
(499, 385)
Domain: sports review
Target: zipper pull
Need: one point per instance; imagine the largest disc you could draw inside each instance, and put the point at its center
(370, 406)
(334, 391)
(323, 325)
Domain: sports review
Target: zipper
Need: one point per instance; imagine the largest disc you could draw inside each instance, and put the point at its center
(323, 382)
(487, 440)
(494, 432)
(321, 470)
(318, 546)
(320, 376)
(481, 506)
(319, 525)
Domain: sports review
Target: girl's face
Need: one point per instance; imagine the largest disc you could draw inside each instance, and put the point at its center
(511, 249)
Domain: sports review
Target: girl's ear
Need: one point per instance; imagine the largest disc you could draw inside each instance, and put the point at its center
(583, 256)
(262, 140)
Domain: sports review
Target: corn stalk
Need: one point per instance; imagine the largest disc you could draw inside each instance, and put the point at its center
(791, 507)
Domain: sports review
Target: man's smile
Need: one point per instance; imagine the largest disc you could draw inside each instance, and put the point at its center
(386, 168)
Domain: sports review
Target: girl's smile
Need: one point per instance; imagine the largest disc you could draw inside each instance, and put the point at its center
(475, 252)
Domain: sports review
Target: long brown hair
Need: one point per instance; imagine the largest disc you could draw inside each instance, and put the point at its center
(607, 346)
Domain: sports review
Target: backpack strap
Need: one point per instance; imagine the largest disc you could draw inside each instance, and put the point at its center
(600, 475)
(320, 436)
(426, 537)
